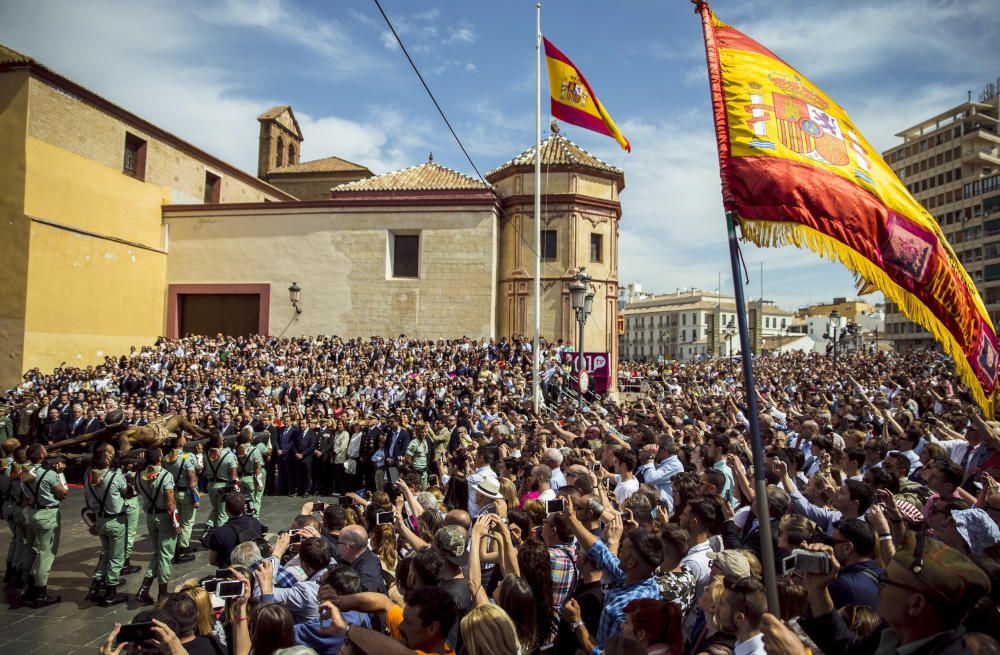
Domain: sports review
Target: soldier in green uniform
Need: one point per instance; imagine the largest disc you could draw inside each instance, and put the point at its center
(20, 576)
(131, 514)
(44, 489)
(6, 424)
(104, 491)
(220, 472)
(263, 446)
(7, 508)
(184, 468)
(156, 491)
(250, 465)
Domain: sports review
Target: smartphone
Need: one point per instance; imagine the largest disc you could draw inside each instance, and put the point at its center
(381, 518)
(319, 506)
(295, 539)
(597, 467)
(607, 483)
(230, 589)
(211, 586)
(393, 474)
(555, 506)
(135, 633)
(346, 501)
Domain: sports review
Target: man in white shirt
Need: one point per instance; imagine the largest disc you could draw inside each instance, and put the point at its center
(485, 456)
(553, 458)
(542, 476)
(625, 461)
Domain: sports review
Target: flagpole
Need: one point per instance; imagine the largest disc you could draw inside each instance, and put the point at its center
(536, 383)
(760, 482)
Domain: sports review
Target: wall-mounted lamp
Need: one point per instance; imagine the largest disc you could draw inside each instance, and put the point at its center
(294, 292)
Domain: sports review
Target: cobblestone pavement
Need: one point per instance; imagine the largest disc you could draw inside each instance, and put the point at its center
(77, 627)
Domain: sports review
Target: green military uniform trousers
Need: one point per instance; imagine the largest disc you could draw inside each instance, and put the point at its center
(248, 487)
(164, 538)
(217, 516)
(113, 533)
(131, 523)
(19, 539)
(187, 511)
(42, 542)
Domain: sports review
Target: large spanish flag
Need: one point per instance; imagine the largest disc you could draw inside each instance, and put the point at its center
(573, 100)
(795, 170)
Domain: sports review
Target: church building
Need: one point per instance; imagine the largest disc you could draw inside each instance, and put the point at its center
(118, 232)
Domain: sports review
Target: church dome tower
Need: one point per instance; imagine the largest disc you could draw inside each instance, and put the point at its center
(580, 213)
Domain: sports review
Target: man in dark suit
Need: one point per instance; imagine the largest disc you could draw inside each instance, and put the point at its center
(55, 429)
(396, 441)
(303, 452)
(286, 444)
(92, 424)
(271, 464)
(226, 426)
(323, 464)
(77, 423)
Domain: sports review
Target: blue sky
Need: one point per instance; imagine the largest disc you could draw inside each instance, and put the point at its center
(205, 70)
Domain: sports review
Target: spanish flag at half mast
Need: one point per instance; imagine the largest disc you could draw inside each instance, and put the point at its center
(796, 171)
(573, 100)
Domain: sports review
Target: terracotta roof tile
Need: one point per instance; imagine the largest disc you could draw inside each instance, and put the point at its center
(557, 150)
(325, 165)
(9, 55)
(425, 177)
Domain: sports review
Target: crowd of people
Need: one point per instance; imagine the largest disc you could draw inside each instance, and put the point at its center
(441, 514)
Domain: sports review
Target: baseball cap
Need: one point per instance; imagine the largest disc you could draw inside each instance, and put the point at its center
(450, 542)
(734, 565)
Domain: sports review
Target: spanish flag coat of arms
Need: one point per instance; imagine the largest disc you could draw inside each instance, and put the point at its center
(796, 171)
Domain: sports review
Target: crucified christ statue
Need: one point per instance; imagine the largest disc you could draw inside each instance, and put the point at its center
(125, 437)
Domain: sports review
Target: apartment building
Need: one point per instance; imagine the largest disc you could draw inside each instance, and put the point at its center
(951, 164)
(691, 323)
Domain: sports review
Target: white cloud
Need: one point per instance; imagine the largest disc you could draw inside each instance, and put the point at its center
(470, 67)
(460, 35)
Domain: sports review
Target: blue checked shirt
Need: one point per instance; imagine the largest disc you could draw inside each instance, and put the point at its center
(282, 577)
(618, 596)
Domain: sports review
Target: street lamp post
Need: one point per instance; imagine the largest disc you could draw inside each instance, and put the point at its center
(730, 332)
(581, 299)
(833, 330)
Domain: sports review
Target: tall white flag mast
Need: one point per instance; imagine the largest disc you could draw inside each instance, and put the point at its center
(536, 354)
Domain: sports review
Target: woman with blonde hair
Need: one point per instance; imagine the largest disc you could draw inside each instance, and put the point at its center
(488, 630)
(509, 492)
(208, 626)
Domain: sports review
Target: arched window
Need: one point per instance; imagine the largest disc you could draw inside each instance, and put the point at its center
(281, 152)
(291, 154)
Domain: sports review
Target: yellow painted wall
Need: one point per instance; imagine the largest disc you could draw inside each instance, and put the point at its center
(14, 228)
(89, 296)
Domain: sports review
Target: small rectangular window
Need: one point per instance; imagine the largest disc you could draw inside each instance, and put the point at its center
(549, 243)
(213, 188)
(405, 255)
(135, 157)
(596, 241)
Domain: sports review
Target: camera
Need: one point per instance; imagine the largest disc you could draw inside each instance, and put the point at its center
(382, 518)
(319, 506)
(806, 561)
(229, 589)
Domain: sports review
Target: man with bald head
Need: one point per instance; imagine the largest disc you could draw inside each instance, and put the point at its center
(460, 518)
(352, 549)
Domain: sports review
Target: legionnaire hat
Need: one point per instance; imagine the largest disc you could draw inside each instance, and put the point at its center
(450, 542)
(954, 577)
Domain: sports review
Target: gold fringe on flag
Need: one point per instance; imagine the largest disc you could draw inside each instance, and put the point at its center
(868, 278)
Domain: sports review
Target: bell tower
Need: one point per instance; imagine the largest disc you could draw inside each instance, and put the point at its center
(280, 140)
(580, 213)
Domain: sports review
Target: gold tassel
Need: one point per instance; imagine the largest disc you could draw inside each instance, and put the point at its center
(868, 277)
